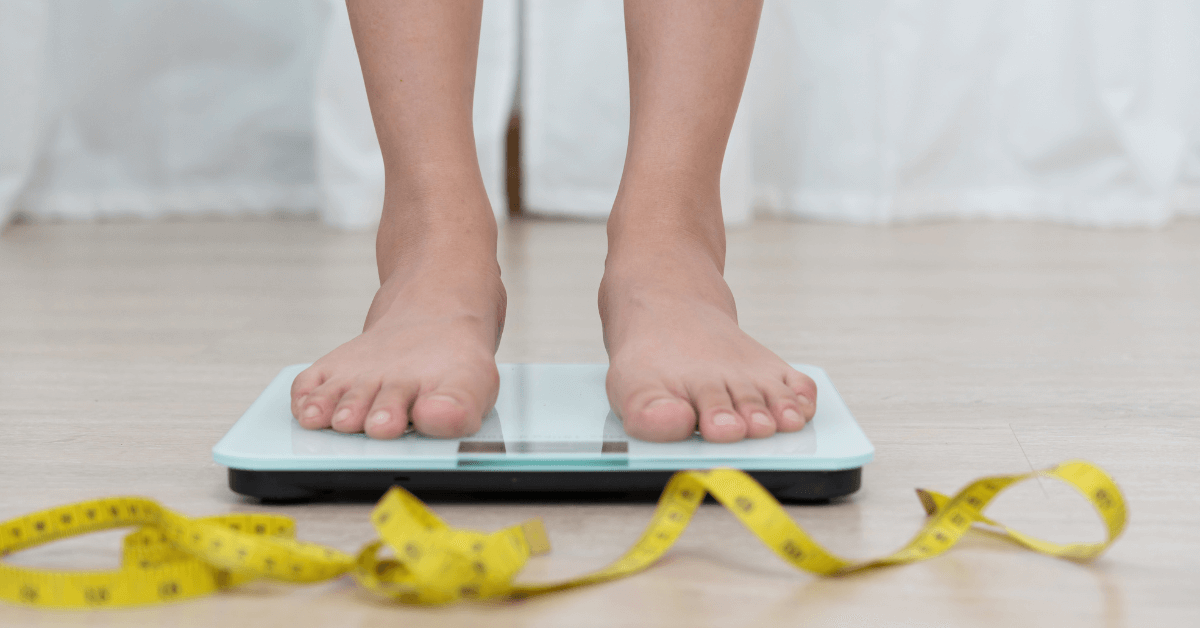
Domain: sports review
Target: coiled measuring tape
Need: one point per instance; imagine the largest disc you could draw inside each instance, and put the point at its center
(173, 557)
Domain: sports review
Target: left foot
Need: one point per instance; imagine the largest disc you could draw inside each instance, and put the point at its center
(677, 359)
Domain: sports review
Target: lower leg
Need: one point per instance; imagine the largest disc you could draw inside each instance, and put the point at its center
(426, 355)
(678, 361)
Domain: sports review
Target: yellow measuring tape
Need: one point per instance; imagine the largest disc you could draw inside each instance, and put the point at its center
(172, 557)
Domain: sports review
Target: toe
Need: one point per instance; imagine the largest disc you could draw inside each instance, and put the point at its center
(444, 414)
(658, 416)
(784, 405)
(455, 408)
(806, 392)
(317, 408)
(752, 407)
(719, 422)
(388, 417)
(351, 410)
(305, 383)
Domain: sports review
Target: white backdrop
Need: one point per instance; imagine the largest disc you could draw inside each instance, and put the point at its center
(140, 108)
(877, 111)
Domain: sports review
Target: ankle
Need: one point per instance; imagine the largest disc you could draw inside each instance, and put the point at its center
(681, 227)
(455, 277)
(426, 229)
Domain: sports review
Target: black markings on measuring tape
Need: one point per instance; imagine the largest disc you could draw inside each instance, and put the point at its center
(116, 512)
(91, 513)
(792, 550)
(269, 563)
(260, 529)
(744, 503)
(29, 593)
(479, 567)
(685, 493)
(477, 547)
(66, 518)
(97, 596)
(1103, 499)
(382, 517)
(958, 519)
(168, 589)
(974, 501)
(413, 551)
(16, 532)
(469, 590)
(40, 526)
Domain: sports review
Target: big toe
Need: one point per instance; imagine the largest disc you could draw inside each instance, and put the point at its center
(660, 418)
(443, 415)
(455, 408)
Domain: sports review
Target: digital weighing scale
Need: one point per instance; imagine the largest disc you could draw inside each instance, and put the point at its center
(551, 431)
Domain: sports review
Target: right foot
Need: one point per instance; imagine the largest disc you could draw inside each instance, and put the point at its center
(426, 356)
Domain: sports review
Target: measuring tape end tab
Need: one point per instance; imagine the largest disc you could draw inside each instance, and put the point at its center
(927, 502)
(536, 537)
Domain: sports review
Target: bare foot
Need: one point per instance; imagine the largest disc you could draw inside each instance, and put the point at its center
(677, 358)
(427, 351)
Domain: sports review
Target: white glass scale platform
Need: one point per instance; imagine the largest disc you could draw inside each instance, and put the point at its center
(551, 431)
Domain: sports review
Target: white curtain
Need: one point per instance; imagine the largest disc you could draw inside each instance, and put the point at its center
(878, 111)
(1077, 111)
(144, 108)
(155, 108)
(24, 28)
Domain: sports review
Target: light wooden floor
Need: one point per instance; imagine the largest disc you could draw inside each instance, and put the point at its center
(127, 350)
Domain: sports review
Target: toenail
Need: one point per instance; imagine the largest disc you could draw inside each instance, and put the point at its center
(724, 419)
(791, 416)
(379, 418)
(761, 419)
(445, 398)
(311, 413)
(342, 416)
(803, 400)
